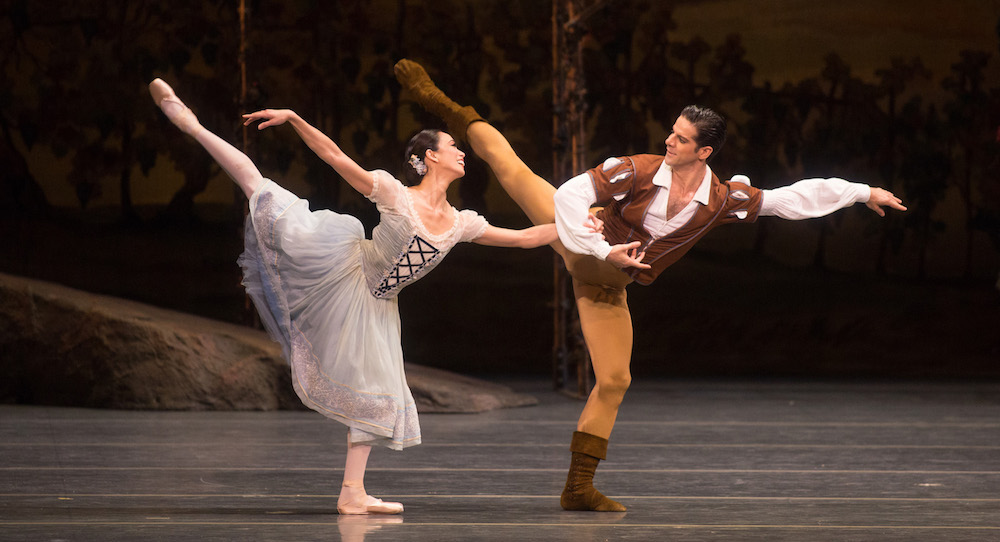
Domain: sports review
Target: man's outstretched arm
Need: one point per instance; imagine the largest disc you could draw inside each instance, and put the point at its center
(812, 198)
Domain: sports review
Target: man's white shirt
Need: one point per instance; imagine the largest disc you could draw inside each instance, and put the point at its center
(808, 198)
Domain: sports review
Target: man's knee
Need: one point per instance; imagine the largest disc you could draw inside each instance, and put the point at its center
(612, 387)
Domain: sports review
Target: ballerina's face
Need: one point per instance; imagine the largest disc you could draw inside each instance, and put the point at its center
(447, 157)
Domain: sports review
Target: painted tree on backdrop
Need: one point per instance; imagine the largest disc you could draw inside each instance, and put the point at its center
(308, 56)
(771, 140)
(198, 50)
(333, 62)
(924, 169)
(842, 135)
(81, 69)
(456, 33)
(20, 193)
(516, 77)
(902, 138)
(971, 120)
(629, 78)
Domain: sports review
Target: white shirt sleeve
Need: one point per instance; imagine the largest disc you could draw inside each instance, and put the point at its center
(572, 204)
(812, 198)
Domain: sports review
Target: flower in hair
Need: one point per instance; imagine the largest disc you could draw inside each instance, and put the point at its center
(418, 165)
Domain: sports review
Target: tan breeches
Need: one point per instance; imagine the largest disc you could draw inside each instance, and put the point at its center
(598, 286)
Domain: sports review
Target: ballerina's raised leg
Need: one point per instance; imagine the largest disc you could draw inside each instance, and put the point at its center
(237, 165)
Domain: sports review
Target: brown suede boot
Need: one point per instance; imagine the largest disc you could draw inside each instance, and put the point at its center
(414, 79)
(579, 493)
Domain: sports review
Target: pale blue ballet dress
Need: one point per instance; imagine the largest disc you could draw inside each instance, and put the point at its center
(328, 295)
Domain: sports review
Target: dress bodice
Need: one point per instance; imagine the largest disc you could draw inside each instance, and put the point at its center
(401, 249)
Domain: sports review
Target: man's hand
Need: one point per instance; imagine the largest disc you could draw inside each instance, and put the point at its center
(594, 224)
(883, 198)
(627, 256)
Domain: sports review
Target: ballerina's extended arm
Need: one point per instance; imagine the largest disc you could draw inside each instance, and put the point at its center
(532, 237)
(324, 147)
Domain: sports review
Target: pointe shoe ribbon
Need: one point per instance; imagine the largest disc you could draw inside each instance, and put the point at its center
(371, 505)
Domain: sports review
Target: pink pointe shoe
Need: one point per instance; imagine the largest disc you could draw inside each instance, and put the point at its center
(369, 505)
(353, 500)
(173, 107)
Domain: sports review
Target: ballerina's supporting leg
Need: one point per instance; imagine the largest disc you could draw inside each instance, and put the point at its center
(353, 498)
(237, 165)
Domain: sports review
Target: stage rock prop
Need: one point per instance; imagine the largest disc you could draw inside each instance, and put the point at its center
(60, 346)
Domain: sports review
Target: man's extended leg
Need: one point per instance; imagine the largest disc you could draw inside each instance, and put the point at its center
(532, 193)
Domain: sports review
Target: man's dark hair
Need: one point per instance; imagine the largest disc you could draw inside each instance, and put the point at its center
(710, 125)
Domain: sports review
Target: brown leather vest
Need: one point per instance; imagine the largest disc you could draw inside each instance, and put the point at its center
(625, 187)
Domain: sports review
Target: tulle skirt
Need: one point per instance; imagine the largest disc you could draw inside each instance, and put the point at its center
(304, 271)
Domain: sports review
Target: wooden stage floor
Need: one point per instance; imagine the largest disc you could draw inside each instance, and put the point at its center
(692, 460)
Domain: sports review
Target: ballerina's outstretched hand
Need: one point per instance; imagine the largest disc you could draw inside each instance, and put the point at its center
(323, 146)
(270, 117)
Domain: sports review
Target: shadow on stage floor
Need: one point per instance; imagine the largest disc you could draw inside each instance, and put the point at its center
(712, 460)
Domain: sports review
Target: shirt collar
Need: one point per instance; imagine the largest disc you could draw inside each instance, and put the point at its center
(664, 178)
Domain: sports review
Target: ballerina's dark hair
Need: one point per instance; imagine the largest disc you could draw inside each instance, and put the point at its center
(418, 146)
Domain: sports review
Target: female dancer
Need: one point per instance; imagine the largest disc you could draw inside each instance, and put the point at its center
(328, 294)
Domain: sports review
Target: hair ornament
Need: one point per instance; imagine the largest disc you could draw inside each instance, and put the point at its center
(418, 165)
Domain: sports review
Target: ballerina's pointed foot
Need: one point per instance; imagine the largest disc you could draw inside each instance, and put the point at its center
(173, 107)
(369, 505)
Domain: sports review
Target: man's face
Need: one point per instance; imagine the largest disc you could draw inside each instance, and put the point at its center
(681, 147)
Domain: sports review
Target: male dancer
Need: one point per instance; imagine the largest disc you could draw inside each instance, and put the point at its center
(655, 209)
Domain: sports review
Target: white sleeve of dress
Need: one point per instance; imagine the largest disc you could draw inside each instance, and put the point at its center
(812, 198)
(386, 190)
(472, 225)
(572, 202)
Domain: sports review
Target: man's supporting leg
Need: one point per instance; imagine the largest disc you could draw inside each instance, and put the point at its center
(601, 301)
(579, 493)
(604, 315)
(607, 329)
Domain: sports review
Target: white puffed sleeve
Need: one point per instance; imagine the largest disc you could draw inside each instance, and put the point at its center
(572, 202)
(387, 191)
(472, 225)
(812, 198)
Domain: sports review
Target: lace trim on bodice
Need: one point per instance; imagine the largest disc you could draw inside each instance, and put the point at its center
(420, 223)
(418, 256)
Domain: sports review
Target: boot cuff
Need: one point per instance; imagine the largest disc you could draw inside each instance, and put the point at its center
(588, 444)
